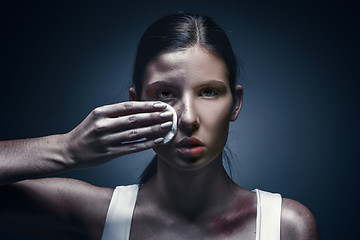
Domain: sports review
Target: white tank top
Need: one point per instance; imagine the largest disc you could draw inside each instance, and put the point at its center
(121, 208)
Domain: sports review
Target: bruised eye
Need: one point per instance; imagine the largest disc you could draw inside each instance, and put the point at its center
(209, 92)
(164, 94)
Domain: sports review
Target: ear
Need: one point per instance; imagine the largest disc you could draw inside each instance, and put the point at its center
(132, 94)
(237, 103)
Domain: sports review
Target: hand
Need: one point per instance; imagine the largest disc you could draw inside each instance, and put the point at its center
(114, 130)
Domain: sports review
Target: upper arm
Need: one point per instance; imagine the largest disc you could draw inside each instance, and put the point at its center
(70, 208)
(297, 222)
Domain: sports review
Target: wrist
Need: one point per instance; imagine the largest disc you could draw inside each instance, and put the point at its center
(66, 158)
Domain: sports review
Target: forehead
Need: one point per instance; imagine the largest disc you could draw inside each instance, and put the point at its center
(186, 66)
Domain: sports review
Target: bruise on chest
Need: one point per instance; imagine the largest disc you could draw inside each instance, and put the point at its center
(235, 219)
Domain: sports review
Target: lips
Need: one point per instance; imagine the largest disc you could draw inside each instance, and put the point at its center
(190, 146)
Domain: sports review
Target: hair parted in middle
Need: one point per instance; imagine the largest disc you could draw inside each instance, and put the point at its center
(177, 32)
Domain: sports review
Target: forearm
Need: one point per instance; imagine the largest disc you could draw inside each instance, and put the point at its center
(106, 133)
(32, 158)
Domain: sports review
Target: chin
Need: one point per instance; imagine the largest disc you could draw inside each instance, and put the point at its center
(187, 163)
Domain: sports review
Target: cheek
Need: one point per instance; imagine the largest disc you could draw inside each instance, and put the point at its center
(215, 122)
(219, 127)
(216, 112)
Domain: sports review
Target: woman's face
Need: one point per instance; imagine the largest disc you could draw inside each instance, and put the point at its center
(195, 82)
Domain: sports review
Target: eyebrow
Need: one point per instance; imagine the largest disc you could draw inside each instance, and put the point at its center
(172, 85)
(213, 81)
(162, 83)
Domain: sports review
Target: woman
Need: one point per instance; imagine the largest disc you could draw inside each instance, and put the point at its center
(184, 61)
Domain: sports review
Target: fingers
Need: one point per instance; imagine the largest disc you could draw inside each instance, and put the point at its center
(134, 147)
(150, 132)
(127, 108)
(123, 128)
(132, 141)
(136, 121)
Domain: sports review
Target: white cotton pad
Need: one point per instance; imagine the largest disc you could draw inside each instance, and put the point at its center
(171, 134)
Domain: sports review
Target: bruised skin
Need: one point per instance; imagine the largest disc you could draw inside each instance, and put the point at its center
(233, 221)
(180, 79)
(236, 218)
(230, 221)
(191, 196)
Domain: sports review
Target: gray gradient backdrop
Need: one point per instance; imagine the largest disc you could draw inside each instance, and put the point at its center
(297, 133)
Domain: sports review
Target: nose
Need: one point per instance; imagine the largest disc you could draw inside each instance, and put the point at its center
(188, 118)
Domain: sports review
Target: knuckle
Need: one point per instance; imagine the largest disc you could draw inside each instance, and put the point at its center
(132, 119)
(132, 134)
(149, 106)
(128, 106)
(133, 147)
(154, 115)
(148, 144)
(154, 129)
(98, 111)
(99, 126)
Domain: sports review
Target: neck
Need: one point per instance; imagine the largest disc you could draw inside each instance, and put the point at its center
(192, 193)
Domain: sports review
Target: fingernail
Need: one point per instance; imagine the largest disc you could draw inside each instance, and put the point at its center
(159, 140)
(165, 115)
(166, 125)
(159, 105)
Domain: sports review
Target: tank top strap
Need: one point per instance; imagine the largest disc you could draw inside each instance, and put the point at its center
(120, 213)
(268, 215)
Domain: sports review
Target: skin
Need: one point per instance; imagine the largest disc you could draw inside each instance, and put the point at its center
(191, 196)
(58, 208)
(196, 85)
(194, 195)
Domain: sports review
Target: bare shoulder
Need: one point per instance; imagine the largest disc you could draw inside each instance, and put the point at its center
(297, 221)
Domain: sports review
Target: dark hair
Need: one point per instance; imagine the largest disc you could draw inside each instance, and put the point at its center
(178, 32)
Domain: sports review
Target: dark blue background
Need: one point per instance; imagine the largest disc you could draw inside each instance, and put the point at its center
(297, 133)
